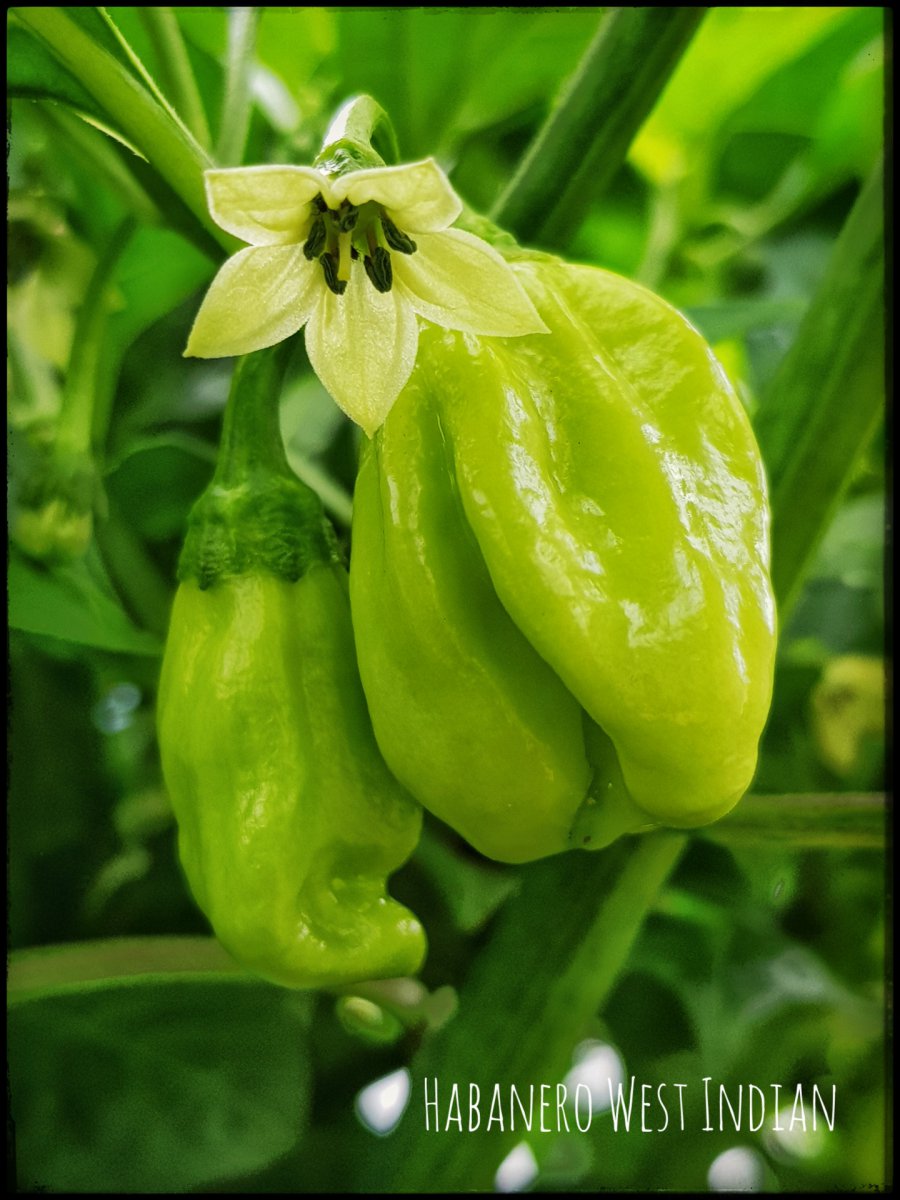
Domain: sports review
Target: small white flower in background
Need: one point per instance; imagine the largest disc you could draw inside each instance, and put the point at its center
(356, 259)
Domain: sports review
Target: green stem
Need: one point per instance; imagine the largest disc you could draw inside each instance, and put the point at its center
(146, 594)
(53, 970)
(251, 441)
(828, 396)
(142, 116)
(33, 388)
(555, 953)
(662, 236)
(362, 122)
(175, 69)
(844, 821)
(583, 142)
(76, 418)
(256, 515)
(237, 101)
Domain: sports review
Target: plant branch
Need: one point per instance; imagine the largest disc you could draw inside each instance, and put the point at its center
(583, 142)
(237, 101)
(76, 418)
(554, 955)
(175, 68)
(839, 820)
(51, 970)
(146, 595)
(134, 108)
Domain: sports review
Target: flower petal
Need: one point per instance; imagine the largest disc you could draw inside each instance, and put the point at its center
(362, 345)
(265, 206)
(260, 296)
(456, 280)
(418, 196)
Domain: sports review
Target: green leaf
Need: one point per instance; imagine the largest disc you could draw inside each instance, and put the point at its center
(501, 65)
(584, 141)
(852, 550)
(719, 322)
(827, 398)
(129, 95)
(795, 103)
(157, 479)
(156, 1084)
(98, 26)
(68, 603)
(753, 42)
(33, 73)
(295, 43)
(157, 271)
(472, 889)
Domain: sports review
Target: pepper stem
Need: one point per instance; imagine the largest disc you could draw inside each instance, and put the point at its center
(76, 418)
(256, 515)
(363, 121)
(360, 136)
(251, 442)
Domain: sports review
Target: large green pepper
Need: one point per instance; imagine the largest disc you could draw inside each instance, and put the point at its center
(289, 820)
(610, 479)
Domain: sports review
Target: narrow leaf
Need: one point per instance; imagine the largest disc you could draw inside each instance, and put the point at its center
(828, 396)
(67, 603)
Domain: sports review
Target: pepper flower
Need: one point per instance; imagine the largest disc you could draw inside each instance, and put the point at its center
(357, 258)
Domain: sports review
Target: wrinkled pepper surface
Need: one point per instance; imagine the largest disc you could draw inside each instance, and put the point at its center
(560, 574)
(289, 821)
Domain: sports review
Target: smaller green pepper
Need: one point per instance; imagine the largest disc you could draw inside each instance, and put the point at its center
(53, 499)
(289, 820)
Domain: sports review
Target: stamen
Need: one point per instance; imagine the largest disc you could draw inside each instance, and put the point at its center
(330, 268)
(315, 242)
(379, 269)
(348, 216)
(396, 239)
(319, 203)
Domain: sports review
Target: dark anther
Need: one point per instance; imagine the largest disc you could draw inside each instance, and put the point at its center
(379, 270)
(330, 267)
(396, 239)
(315, 243)
(319, 203)
(347, 218)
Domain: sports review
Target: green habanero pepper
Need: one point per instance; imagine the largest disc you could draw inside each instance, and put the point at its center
(53, 498)
(289, 820)
(612, 483)
(468, 715)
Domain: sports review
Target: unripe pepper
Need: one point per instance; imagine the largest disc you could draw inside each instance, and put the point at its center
(53, 500)
(289, 820)
(611, 481)
(468, 715)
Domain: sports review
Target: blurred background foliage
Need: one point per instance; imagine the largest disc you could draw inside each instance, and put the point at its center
(762, 959)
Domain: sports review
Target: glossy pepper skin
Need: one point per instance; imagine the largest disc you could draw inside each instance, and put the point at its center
(468, 715)
(612, 483)
(289, 821)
